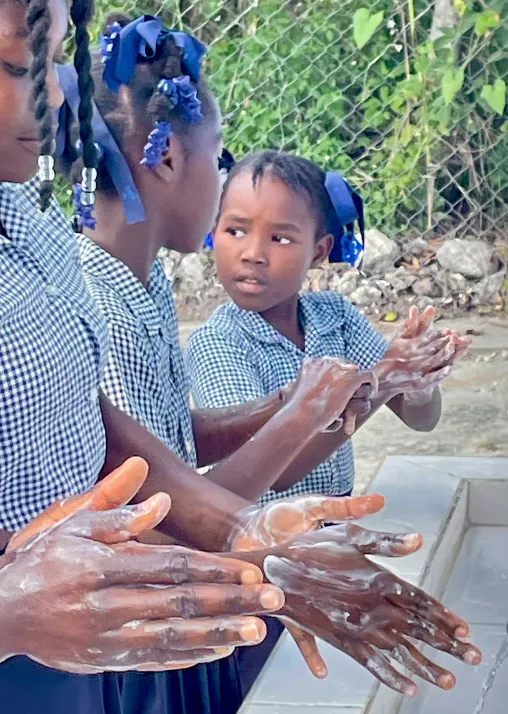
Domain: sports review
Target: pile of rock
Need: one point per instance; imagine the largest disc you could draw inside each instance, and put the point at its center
(454, 274)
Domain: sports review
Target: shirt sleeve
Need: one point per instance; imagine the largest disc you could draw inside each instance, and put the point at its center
(364, 345)
(220, 372)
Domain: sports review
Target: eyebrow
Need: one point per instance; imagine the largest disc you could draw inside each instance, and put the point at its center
(286, 227)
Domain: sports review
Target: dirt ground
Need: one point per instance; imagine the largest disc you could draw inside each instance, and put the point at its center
(475, 407)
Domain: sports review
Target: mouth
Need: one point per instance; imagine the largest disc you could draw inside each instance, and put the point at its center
(31, 144)
(250, 284)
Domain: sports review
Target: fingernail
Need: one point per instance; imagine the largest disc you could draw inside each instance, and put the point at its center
(411, 690)
(446, 681)
(461, 632)
(271, 598)
(224, 651)
(249, 631)
(250, 576)
(321, 671)
(472, 656)
(413, 540)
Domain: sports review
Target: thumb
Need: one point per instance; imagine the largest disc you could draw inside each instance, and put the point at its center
(307, 645)
(120, 524)
(118, 488)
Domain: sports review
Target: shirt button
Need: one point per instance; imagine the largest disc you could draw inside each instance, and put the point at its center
(188, 446)
(51, 290)
(94, 394)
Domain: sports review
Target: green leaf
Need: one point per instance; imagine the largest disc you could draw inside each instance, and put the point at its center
(452, 82)
(365, 25)
(495, 95)
(486, 20)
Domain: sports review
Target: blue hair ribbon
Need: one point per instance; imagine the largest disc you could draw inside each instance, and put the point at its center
(140, 39)
(348, 210)
(111, 155)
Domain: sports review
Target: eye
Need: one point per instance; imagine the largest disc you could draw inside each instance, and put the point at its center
(236, 232)
(281, 239)
(15, 70)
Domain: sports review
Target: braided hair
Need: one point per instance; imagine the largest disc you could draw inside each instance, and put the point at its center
(138, 105)
(39, 24)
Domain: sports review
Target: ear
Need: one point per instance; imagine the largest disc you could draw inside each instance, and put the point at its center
(167, 170)
(322, 250)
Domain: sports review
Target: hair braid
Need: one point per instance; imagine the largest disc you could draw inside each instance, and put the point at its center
(39, 23)
(159, 106)
(81, 11)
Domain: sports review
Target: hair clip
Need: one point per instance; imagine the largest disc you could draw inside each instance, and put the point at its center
(182, 95)
(83, 217)
(108, 42)
(157, 144)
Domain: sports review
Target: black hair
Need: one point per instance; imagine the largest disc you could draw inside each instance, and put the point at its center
(139, 104)
(39, 23)
(300, 175)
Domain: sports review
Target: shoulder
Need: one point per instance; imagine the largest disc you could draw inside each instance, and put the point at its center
(223, 327)
(327, 304)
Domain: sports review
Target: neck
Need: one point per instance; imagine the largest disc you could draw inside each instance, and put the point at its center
(134, 245)
(284, 318)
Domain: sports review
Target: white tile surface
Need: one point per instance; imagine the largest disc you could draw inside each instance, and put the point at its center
(488, 503)
(287, 680)
(289, 709)
(462, 699)
(478, 587)
(465, 467)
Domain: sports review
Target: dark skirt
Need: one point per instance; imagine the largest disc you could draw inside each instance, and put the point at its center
(30, 688)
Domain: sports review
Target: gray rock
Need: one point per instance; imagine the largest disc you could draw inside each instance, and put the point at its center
(488, 289)
(365, 295)
(346, 283)
(401, 279)
(457, 283)
(380, 252)
(426, 287)
(471, 258)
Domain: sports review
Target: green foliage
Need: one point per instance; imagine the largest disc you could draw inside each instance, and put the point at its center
(420, 126)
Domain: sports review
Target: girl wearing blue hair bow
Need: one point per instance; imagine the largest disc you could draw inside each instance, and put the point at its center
(164, 191)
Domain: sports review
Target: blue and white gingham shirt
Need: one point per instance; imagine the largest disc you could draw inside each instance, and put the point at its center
(237, 356)
(53, 347)
(145, 375)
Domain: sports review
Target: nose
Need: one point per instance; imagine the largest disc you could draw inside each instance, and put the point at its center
(254, 251)
(55, 93)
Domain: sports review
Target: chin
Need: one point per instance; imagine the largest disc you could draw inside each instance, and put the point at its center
(16, 174)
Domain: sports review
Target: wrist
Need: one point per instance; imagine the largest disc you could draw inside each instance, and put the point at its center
(8, 615)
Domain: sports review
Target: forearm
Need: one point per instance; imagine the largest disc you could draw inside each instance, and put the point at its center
(5, 537)
(202, 513)
(269, 454)
(321, 447)
(220, 432)
(421, 413)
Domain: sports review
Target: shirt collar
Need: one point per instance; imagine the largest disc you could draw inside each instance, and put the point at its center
(142, 301)
(318, 317)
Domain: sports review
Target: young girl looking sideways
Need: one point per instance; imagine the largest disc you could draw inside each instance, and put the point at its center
(274, 224)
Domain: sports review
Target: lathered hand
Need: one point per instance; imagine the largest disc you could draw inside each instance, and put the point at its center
(82, 596)
(336, 593)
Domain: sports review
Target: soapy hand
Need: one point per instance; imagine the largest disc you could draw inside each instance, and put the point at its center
(83, 597)
(280, 521)
(419, 358)
(336, 593)
(333, 392)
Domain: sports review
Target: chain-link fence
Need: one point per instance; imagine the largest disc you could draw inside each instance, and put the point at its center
(406, 97)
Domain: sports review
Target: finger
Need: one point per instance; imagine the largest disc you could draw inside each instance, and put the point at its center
(378, 665)
(307, 645)
(340, 508)
(431, 379)
(426, 319)
(408, 656)
(425, 631)
(428, 608)
(409, 328)
(173, 565)
(179, 634)
(387, 544)
(349, 423)
(122, 605)
(120, 524)
(117, 489)
(148, 659)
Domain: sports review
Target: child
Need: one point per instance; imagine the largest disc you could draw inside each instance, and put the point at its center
(274, 225)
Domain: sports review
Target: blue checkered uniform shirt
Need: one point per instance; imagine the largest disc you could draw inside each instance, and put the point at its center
(145, 375)
(237, 356)
(53, 347)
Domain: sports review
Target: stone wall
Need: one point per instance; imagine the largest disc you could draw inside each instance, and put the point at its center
(456, 275)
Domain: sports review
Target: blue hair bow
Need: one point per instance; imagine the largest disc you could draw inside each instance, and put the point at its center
(111, 155)
(140, 39)
(348, 210)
